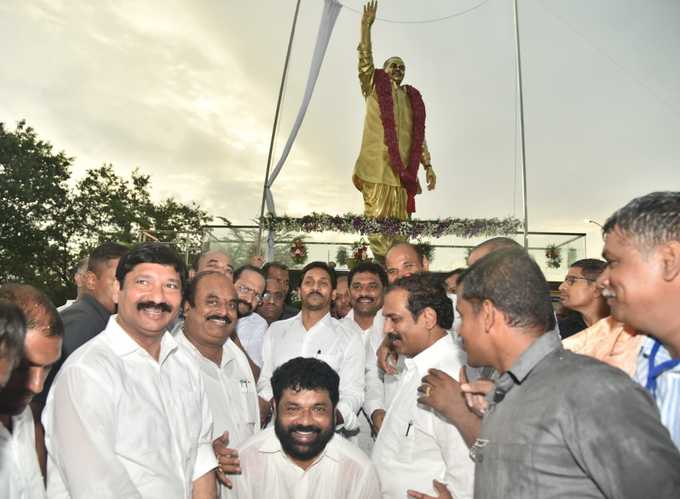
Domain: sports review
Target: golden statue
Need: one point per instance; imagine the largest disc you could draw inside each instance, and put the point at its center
(393, 144)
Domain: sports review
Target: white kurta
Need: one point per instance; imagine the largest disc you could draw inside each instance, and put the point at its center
(20, 476)
(250, 330)
(340, 348)
(379, 387)
(119, 424)
(231, 390)
(415, 445)
(342, 471)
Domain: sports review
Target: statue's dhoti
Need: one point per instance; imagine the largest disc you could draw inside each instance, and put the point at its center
(384, 201)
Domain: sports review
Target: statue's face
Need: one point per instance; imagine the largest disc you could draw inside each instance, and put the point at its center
(395, 68)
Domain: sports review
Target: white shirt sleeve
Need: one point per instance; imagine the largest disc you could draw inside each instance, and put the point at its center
(205, 456)
(352, 380)
(83, 437)
(264, 386)
(375, 390)
(460, 470)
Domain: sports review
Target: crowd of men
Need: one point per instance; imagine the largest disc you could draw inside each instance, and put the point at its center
(388, 382)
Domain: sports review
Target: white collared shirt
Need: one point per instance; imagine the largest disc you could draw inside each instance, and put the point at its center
(340, 348)
(250, 330)
(341, 471)
(119, 424)
(231, 391)
(20, 476)
(415, 445)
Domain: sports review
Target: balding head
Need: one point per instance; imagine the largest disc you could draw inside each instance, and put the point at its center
(215, 260)
(403, 260)
(490, 245)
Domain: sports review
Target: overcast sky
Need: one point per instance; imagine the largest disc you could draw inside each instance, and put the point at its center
(186, 91)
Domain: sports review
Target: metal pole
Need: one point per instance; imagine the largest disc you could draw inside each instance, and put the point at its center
(521, 127)
(276, 121)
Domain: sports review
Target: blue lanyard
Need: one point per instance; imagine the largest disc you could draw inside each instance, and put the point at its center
(654, 371)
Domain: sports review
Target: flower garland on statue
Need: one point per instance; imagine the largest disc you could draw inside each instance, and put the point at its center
(298, 251)
(414, 229)
(408, 174)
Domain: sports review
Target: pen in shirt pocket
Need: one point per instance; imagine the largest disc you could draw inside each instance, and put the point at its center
(408, 428)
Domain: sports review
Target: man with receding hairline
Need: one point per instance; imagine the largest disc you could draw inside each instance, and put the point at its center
(642, 286)
(559, 423)
(20, 473)
(217, 260)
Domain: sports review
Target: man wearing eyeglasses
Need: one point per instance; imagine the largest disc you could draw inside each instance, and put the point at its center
(249, 282)
(580, 293)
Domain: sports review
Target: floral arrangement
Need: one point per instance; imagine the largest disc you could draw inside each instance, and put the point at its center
(408, 174)
(426, 249)
(298, 251)
(412, 229)
(553, 255)
(342, 256)
(359, 253)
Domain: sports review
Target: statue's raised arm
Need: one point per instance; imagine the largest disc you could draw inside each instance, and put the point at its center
(366, 67)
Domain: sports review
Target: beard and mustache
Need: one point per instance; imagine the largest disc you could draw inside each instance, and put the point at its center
(307, 450)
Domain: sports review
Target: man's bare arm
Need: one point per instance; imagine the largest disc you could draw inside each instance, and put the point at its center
(205, 487)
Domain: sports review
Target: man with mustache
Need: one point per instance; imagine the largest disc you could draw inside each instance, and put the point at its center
(20, 474)
(273, 301)
(642, 286)
(558, 423)
(279, 272)
(128, 415)
(314, 333)
(414, 445)
(367, 283)
(301, 457)
(210, 305)
(250, 283)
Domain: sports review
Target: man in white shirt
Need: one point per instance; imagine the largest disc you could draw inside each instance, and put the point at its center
(210, 305)
(301, 457)
(250, 285)
(128, 415)
(30, 310)
(415, 445)
(367, 283)
(314, 333)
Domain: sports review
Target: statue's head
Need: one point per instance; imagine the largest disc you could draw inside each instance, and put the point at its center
(395, 69)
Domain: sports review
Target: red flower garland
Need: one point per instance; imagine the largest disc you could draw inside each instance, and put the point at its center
(407, 174)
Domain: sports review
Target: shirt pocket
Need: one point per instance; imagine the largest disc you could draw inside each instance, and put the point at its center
(332, 359)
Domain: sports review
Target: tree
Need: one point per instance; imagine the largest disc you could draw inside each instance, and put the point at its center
(46, 227)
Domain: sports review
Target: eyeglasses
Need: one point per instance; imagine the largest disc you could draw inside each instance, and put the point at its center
(273, 297)
(242, 288)
(571, 279)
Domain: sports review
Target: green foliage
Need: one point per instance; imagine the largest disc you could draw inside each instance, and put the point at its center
(46, 226)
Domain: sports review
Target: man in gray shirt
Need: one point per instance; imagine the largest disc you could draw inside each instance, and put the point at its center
(559, 424)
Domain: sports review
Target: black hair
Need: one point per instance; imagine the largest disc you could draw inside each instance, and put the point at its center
(323, 266)
(103, 254)
(39, 312)
(457, 271)
(369, 267)
(513, 282)
(273, 265)
(650, 220)
(152, 252)
(12, 330)
(425, 290)
(590, 267)
(252, 268)
(305, 373)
